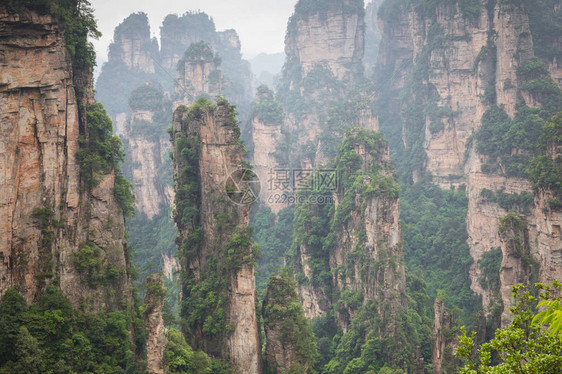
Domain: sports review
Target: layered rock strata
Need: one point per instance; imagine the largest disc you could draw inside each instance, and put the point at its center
(47, 214)
(459, 62)
(156, 340)
(212, 214)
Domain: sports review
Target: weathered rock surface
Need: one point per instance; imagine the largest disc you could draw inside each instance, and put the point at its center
(374, 226)
(148, 158)
(133, 46)
(133, 60)
(473, 67)
(324, 48)
(372, 36)
(156, 340)
(199, 74)
(442, 346)
(45, 212)
(178, 33)
(333, 38)
(216, 156)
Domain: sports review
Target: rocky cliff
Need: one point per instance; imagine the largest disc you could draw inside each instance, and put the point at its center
(448, 69)
(133, 46)
(347, 254)
(212, 214)
(367, 257)
(267, 136)
(54, 217)
(199, 74)
(156, 339)
(178, 33)
(289, 340)
(133, 59)
(372, 36)
(148, 147)
(444, 340)
(321, 76)
(365, 237)
(332, 37)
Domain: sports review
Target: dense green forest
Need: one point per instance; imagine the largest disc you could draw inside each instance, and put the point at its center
(336, 300)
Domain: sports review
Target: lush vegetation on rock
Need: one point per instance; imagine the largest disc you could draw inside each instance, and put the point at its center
(306, 8)
(273, 235)
(545, 170)
(435, 244)
(180, 358)
(511, 144)
(283, 316)
(51, 336)
(147, 97)
(205, 296)
(524, 346)
(99, 155)
(266, 108)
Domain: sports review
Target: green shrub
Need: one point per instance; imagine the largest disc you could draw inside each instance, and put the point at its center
(148, 97)
(283, 314)
(51, 337)
(100, 153)
(490, 265)
(180, 358)
(266, 109)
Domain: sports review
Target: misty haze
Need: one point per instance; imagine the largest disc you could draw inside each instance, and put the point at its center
(269, 187)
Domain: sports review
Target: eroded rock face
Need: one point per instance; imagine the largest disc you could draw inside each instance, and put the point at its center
(199, 74)
(213, 231)
(133, 46)
(178, 33)
(133, 60)
(372, 36)
(156, 340)
(45, 212)
(442, 348)
(148, 158)
(333, 38)
(374, 226)
(473, 67)
(463, 67)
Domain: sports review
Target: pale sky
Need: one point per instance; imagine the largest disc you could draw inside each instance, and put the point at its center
(260, 24)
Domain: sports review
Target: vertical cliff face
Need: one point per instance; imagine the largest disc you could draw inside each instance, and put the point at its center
(180, 32)
(322, 75)
(372, 36)
(289, 340)
(132, 60)
(367, 258)
(467, 68)
(212, 214)
(148, 148)
(156, 339)
(347, 254)
(332, 37)
(132, 44)
(458, 71)
(267, 137)
(50, 219)
(443, 344)
(199, 74)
